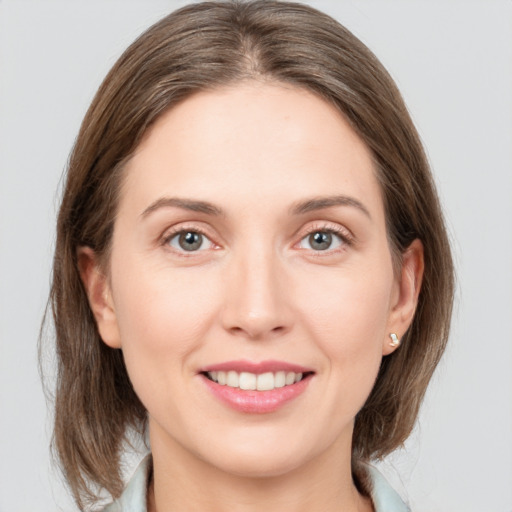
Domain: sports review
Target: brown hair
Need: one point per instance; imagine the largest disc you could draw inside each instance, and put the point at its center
(203, 46)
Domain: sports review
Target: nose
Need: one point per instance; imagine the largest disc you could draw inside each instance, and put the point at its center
(257, 302)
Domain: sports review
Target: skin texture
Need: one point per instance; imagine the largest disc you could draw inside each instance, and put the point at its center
(256, 289)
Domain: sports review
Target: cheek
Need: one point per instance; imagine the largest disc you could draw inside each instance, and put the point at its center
(160, 304)
(347, 314)
(162, 318)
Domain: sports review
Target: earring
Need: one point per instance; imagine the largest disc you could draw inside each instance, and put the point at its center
(395, 342)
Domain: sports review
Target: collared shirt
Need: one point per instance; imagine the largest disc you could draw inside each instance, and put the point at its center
(133, 499)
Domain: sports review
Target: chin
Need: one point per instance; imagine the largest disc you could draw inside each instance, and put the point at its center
(260, 465)
(263, 454)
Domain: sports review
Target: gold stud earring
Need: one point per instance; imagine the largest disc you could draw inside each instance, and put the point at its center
(395, 342)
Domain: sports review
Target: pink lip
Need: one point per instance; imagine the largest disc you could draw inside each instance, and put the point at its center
(256, 367)
(251, 401)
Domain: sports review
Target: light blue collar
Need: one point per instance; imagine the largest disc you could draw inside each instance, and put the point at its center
(384, 497)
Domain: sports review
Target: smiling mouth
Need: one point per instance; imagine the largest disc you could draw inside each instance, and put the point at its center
(256, 382)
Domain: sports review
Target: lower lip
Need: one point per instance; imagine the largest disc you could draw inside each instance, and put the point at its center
(257, 402)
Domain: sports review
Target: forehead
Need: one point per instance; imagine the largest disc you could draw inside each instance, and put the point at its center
(251, 143)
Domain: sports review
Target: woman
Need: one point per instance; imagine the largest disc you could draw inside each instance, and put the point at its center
(251, 267)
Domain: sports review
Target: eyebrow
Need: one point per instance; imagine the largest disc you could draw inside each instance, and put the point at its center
(185, 204)
(300, 208)
(321, 203)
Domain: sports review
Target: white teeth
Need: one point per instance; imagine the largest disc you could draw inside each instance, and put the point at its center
(247, 380)
(251, 381)
(279, 379)
(290, 378)
(232, 379)
(265, 381)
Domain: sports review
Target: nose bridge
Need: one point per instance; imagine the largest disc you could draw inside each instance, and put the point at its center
(256, 302)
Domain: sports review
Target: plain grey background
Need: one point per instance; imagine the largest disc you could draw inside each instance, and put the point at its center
(452, 61)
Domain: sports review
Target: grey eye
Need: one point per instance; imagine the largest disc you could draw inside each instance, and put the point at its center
(321, 241)
(188, 241)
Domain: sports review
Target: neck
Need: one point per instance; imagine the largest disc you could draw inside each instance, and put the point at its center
(183, 482)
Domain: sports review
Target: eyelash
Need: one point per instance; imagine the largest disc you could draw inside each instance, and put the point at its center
(343, 234)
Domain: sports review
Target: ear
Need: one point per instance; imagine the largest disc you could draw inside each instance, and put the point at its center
(405, 295)
(99, 294)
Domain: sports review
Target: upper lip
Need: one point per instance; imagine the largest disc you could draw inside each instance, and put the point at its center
(256, 367)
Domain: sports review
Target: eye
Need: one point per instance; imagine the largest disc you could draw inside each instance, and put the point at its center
(321, 240)
(189, 241)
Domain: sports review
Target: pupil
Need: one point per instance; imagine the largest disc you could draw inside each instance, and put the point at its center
(190, 241)
(320, 240)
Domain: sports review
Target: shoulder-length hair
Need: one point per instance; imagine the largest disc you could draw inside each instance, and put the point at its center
(204, 46)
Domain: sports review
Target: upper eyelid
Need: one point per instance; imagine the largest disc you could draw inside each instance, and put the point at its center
(185, 226)
(332, 227)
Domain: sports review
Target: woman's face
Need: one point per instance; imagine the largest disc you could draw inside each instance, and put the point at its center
(250, 247)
